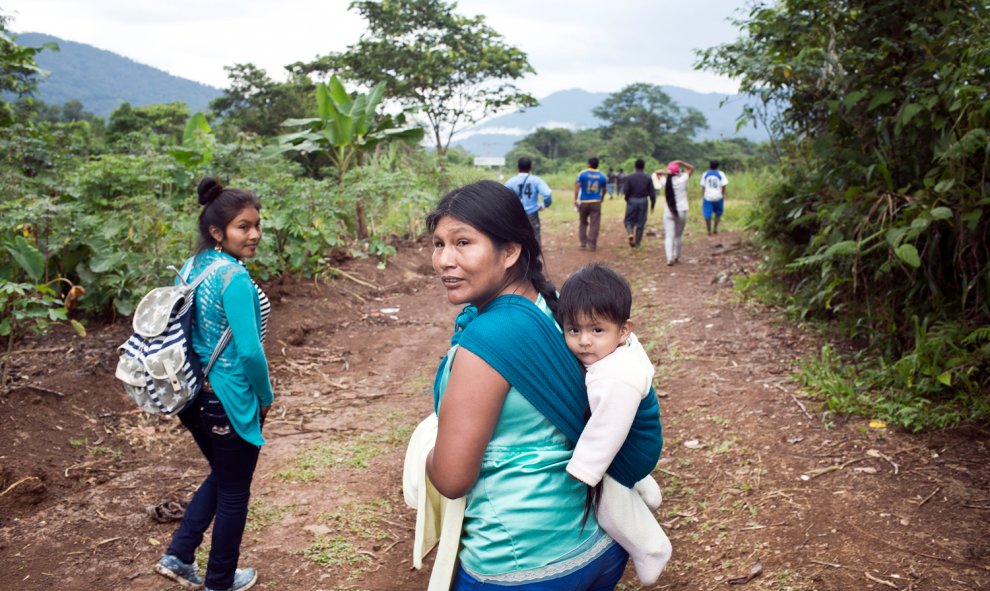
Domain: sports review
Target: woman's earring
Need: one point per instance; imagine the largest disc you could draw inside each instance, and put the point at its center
(218, 248)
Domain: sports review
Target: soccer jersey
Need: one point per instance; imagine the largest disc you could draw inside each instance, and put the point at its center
(712, 182)
(593, 184)
(530, 188)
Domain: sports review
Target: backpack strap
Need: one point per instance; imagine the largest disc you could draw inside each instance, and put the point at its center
(226, 336)
(221, 345)
(522, 188)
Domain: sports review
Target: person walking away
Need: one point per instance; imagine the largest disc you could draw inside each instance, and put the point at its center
(713, 182)
(225, 418)
(594, 309)
(533, 192)
(675, 207)
(589, 191)
(611, 183)
(620, 180)
(508, 419)
(637, 188)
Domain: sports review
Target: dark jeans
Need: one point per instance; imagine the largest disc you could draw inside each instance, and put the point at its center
(534, 220)
(589, 222)
(636, 211)
(601, 574)
(222, 498)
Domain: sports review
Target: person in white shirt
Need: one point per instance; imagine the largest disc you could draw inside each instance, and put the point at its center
(674, 181)
(713, 182)
(594, 309)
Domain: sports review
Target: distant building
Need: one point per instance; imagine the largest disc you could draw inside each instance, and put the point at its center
(493, 161)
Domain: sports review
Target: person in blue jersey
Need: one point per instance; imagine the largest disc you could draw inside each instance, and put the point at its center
(533, 192)
(508, 419)
(713, 184)
(225, 418)
(589, 191)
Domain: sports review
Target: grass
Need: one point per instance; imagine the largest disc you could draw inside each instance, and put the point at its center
(353, 524)
(361, 521)
(202, 555)
(420, 383)
(357, 452)
(743, 193)
(261, 514)
(334, 552)
(95, 450)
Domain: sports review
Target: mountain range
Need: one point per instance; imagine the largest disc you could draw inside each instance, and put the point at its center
(572, 109)
(102, 80)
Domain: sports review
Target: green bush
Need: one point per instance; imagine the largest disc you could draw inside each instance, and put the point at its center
(881, 222)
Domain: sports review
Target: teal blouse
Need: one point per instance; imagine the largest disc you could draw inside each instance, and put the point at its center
(240, 376)
(523, 515)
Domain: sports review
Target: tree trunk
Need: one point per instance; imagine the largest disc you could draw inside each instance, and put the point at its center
(362, 225)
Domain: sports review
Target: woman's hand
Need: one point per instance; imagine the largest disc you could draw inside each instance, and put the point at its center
(468, 413)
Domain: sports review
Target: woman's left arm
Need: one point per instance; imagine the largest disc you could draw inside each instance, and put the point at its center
(238, 305)
(468, 414)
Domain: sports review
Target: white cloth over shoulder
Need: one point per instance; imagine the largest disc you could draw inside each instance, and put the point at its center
(438, 519)
(616, 384)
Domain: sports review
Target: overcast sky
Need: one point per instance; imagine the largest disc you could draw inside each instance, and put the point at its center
(599, 46)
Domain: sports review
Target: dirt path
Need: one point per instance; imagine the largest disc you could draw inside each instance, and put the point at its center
(750, 474)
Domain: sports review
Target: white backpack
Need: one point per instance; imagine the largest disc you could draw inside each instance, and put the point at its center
(157, 364)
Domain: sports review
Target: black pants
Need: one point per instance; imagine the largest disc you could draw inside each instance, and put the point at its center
(635, 221)
(222, 497)
(534, 220)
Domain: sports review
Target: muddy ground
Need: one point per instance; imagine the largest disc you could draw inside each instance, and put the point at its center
(753, 479)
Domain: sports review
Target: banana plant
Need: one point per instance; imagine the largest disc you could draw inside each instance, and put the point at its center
(196, 149)
(347, 129)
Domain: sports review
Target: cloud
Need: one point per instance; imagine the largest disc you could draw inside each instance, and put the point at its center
(571, 43)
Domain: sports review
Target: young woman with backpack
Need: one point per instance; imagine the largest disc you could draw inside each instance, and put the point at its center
(226, 417)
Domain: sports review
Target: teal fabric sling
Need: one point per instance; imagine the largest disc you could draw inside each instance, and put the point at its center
(506, 334)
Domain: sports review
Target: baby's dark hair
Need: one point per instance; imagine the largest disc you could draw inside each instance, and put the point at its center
(597, 291)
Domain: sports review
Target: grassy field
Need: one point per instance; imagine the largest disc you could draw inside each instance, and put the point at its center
(742, 195)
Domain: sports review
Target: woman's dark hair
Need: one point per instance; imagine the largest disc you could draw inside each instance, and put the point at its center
(220, 207)
(596, 291)
(668, 193)
(496, 212)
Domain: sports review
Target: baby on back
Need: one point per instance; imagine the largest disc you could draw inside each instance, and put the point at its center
(594, 310)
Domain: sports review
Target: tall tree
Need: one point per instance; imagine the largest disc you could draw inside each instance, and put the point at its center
(255, 103)
(455, 68)
(885, 210)
(642, 119)
(18, 70)
(553, 143)
(649, 108)
(164, 119)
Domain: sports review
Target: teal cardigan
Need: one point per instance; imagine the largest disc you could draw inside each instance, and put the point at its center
(240, 377)
(507, 332)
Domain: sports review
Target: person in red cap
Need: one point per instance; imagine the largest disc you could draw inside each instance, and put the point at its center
(675, 180)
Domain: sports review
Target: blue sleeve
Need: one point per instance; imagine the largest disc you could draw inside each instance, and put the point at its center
(544, 190)
(239, 303)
